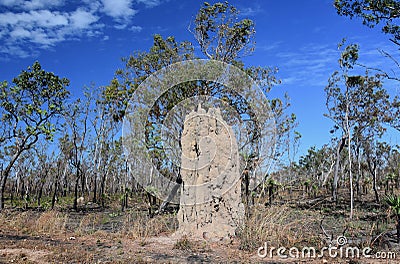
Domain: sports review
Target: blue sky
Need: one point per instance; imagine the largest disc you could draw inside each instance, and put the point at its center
(84, 41)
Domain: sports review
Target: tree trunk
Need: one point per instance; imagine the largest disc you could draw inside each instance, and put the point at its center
(358, 178)
(76, 192)
(4, 177)
(270, 194)
(83, 176)
(26, 196)
(12, 194)
(95, 188)
(22, 193)
(336, 175)
(40, 194)
(102, 189)
(350, 165)
(53, 199)
(374, 186)
(2, 189)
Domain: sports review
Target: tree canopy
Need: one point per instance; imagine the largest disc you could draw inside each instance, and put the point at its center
(384, 13)
(29, 109)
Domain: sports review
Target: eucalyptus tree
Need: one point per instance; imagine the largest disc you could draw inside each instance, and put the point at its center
(394, 165)
(395, 121)
(384, 13)
(74, 141)
(317, 164)
(104, 132)
(221, 35)
(138, 67)
(376, 153)
(59, 171)
(356, 104)
(44, 164)
(29, 110)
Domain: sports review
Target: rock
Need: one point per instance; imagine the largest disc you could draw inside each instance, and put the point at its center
(80, 201)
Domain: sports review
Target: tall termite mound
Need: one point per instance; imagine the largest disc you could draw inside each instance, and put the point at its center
(210, 202)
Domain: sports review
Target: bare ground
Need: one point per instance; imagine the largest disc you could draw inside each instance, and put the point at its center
(92, 249)
(109, 237)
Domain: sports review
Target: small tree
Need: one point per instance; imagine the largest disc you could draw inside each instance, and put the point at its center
(28, 110)
(394, 203)
(358, 105)
(75, 140)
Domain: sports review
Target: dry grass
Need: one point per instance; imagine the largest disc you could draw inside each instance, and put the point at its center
(20, 222)
(132, 236)
(140, 226)
(51, 223)
(183, 244)
(89, 224)
(278, 226)
(34, 223)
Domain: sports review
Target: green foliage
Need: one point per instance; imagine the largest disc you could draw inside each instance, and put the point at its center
(28, 109)
(138, 67)
(220, 33)
(359, 97)
(395, 118)
(385, 13)
(393, 202)
(349, 56)
(29, 106)
(373, 13)
(313, 158)
(152, 190)
(272, 183)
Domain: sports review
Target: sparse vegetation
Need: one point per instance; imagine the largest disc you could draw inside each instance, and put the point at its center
(77, 201)
(183, 244)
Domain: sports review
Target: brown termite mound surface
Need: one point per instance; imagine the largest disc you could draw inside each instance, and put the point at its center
(210, 202)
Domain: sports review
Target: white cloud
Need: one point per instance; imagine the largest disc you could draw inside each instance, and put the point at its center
(31, 4)
(40, 36)
(19, 33)
(93, 5)
(270, 46)
(149, 3)
(22, 32)
(250, 11)
(120, 26)
(30, 25)
(41, 18)
(16, 51)
(82, 19)
(119, 9)
(310, 65)
(313, 64)
(136, 28)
